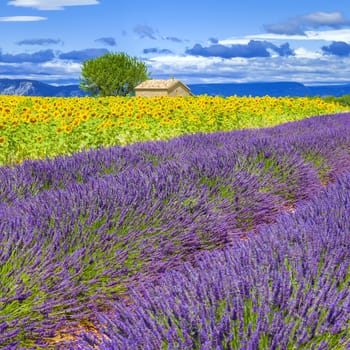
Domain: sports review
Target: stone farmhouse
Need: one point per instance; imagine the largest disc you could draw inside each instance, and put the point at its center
(154, 87)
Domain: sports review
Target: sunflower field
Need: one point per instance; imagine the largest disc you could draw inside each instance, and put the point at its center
(36, 127)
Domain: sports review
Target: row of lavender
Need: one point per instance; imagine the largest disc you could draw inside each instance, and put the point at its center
(287, 288)
(79, 231)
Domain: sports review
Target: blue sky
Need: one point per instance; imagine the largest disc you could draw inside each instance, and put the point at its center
(195, 41)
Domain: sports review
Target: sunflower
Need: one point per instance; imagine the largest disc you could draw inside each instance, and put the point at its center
(68, 129)
(39, 138)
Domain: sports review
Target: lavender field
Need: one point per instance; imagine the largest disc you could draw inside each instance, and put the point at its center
(286, 288)
(232, 240)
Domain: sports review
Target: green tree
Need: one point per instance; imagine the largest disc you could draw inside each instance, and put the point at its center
(112, 74)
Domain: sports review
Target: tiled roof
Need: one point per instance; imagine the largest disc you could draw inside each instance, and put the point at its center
(158, 84)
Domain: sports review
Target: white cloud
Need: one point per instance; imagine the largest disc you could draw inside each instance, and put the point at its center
(235, 41)
(196, 66)
(324, 18)
(310, 35)
(306, 67)
(316, 20)
(301, 52)
(270, 36)
(22, 19)
(266, 36)
(329, 35)
(198, 60)
(184, 61)
(63, 66)
(51, 4)
(57, 70)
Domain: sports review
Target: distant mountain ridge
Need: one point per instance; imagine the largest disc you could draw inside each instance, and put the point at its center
(276, 89)
(26, 87)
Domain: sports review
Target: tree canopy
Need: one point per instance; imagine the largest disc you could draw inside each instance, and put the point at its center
(112, 74)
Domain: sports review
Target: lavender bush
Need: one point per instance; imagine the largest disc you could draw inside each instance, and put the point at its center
(286, 288)
(78, 232)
